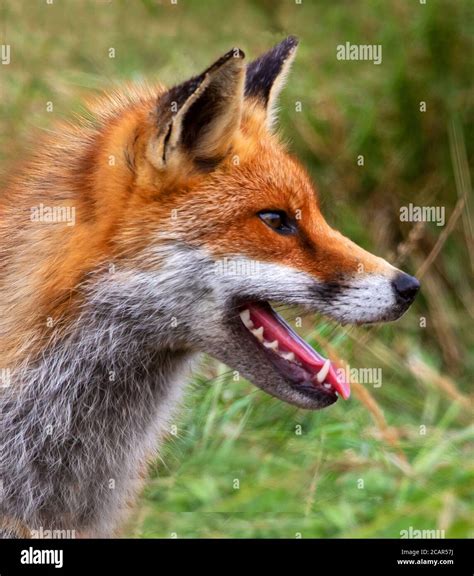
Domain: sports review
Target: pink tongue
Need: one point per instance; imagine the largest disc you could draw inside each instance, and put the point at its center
(275, 328)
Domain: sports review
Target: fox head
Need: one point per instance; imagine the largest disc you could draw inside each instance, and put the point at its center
(221, 219)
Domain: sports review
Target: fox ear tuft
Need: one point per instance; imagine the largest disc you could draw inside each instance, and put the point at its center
(267, 74)
(200, 116)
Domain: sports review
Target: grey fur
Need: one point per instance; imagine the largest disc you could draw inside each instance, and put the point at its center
(79, 421)
(69, 429)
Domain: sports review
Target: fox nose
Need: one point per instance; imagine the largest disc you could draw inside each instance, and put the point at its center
(405, 287)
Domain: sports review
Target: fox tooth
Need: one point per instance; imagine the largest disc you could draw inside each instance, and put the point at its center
(272, 345)
(321, 375)
(328, 386)
(258, 333)
(245, 317)
(290, 356)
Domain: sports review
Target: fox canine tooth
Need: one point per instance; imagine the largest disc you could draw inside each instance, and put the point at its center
(321, 375)
(290, 356)
(258, 333)
(328, 386)
(272, 345)
(245, 317)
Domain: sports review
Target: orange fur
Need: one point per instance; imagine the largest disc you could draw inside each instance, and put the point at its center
(119, 206)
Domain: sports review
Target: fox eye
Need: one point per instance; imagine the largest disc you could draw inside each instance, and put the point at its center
(279, 221)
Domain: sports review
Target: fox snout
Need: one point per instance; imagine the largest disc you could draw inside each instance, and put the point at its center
(350, 284)
(368, 299)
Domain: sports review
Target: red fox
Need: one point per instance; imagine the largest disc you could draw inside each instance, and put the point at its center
(159, 228)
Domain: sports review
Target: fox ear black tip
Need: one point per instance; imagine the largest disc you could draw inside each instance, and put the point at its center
(238, 53)
(291, 41)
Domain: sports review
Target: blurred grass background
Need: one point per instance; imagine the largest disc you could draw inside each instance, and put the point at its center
(241, 464)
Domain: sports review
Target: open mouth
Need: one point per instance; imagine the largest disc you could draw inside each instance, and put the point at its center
(294, 358)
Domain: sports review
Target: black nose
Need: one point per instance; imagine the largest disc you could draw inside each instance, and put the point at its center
(406, 287)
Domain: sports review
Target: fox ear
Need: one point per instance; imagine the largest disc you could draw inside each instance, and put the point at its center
(200, 116)
(266, 75)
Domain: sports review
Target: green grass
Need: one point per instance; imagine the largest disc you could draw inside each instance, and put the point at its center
(239, 465)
